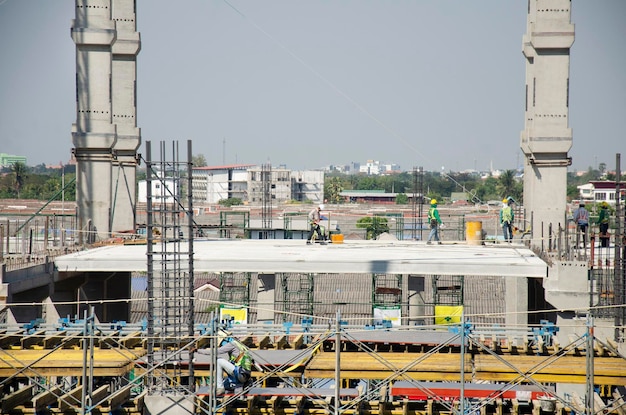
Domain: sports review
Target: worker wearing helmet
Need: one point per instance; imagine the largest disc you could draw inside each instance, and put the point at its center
(603, 221)
(506, 219)
(314, 223)
(435, 222)
(233, 359)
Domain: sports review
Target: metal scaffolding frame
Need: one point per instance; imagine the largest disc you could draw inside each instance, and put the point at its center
(297, 296)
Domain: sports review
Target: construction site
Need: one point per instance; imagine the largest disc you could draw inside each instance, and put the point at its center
(95, 319)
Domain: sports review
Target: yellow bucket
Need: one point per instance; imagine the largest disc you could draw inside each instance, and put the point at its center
(474, 233)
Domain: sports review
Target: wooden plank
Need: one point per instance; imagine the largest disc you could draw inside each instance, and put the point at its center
(71, 399)
(117, 398)
(298, 341)
(618, 404)
(265, 342)
(111, 340)
(72, 340)
(33, 339)
(19, 397)
(388, 362)
(67, 362)
(132, 340)
(46, 398)
(11, 339)
(50, 342)
(282, 342)
(100, 393)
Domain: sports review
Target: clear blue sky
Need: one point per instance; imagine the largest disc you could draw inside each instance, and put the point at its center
(310, 83)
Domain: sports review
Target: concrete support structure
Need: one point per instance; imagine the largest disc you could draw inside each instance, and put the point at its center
(105, 135)
(124, 109)
(546, 138)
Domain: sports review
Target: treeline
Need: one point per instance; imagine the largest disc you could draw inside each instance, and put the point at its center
(432, 184)
(441, 185)
(19, 181)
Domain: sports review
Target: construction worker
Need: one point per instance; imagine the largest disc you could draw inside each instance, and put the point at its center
(603, 221)
(435, 222)
(314, 223)
(506, 219)
(581, 219)
(234, 359)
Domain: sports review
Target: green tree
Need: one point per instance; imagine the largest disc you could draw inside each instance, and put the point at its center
(487, 190)
(402, 199)
(19, 171)
(368, 183)
(332, 190)
(198, 160)
(373, 226)
(506, 183)
(233, 201)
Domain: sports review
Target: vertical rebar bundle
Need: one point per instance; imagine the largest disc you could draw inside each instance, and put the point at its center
(170, 265)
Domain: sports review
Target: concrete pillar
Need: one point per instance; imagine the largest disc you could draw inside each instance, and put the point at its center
(517, 301)
(93, 134)
(265, 298)
(546, 138)
(417, 309)
(105, 135)
(124, 115)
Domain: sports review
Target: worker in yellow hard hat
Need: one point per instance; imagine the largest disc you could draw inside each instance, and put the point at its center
(435, 222)
(506, 220)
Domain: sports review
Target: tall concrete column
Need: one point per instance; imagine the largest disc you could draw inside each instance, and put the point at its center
(124, 109)
(546, 138)
(94, 133)
(105, 135)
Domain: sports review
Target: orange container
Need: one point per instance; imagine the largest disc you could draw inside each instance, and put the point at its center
(336, 238)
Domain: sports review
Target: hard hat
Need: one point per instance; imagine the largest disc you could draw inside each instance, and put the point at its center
(505, 201)
(433, 201)
(321, 207)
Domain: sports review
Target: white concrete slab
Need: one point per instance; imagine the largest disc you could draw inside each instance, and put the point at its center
(270, 256)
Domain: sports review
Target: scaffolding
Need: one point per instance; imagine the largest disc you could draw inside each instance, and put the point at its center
(170, 263)
(297, 296)
(387, 290)
(288, 222)
(235, 288)
(226, 226)
(448, 289)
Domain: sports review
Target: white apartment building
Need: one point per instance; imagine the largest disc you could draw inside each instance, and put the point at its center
(246, 182)
(374, 168)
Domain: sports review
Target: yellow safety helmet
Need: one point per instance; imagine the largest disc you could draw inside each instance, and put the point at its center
(433, 201)
(505, 201)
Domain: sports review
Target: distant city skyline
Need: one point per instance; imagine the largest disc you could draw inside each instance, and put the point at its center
(310, 84)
